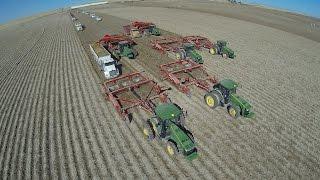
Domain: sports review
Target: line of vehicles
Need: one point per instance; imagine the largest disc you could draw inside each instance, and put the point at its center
(127, 91)
(92, 15)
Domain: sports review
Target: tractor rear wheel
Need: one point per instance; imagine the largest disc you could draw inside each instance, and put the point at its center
(234, 111)
(148, 131)
(212, 100)
(172, 148)
(212, 51)
(180, 55)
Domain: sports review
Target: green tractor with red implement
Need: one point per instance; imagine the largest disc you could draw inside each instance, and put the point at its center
(167, 124)
(224, 94)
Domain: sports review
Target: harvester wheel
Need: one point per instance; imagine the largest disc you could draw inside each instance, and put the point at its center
(212, 100)
(212, 51)
(148, 131)
(172, 148)
(234, 111)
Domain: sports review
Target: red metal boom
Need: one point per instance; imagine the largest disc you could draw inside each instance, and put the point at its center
(186, 73)
(132, 90)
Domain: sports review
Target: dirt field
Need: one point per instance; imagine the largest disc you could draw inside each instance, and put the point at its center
(55, 122)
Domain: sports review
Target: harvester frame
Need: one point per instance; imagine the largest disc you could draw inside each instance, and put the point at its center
(167, 43)
(199, 42)
(183, 74)
(139, 28)
(172, 44)
(112, 43)
(116, 91)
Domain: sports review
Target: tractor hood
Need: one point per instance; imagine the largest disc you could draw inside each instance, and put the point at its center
(242, 102)
(128, 52)
(167, 111)
(183, 141)
(229, 52)
(155, 31)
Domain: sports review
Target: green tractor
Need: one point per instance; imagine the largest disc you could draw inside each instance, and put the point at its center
(224, 93)
(221, 48)
(153, 30)
(168, 125)
(188, 50)
(126, 49)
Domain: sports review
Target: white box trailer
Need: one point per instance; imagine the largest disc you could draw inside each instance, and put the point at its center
(104, 60)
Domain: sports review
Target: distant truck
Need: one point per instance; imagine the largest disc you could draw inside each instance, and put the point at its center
(98, 18)
(79, 26)
(104, 60)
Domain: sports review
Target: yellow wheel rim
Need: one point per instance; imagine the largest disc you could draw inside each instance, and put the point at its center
(232, 112)
(145, 132)
(178, 56)
(170, 150)
(210, 101)
(212, 51)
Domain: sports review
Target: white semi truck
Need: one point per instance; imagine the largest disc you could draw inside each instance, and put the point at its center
(79, 26)
(104, 60)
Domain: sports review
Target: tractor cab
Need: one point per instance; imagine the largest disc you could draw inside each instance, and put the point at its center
(169, 112)
(226, 87)
(154, 30)
(189, 48)
(221, 43)
(122, 45)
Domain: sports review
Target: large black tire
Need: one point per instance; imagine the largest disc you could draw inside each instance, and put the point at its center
(212, 100)
(190, 135)
(180, 55)
(148, 130)
(234, 111)
(171, 148)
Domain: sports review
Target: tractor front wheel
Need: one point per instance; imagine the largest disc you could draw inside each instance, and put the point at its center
(234, 111)
(225, 56)
(212, 100)
(172, 148)
(148, 131)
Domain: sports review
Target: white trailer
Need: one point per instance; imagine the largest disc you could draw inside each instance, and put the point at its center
(104, 60)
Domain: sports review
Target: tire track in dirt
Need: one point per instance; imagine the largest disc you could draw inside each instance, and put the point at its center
(31, 64)
(18, 96)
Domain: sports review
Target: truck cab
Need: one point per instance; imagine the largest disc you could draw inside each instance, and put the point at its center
(109, 67)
